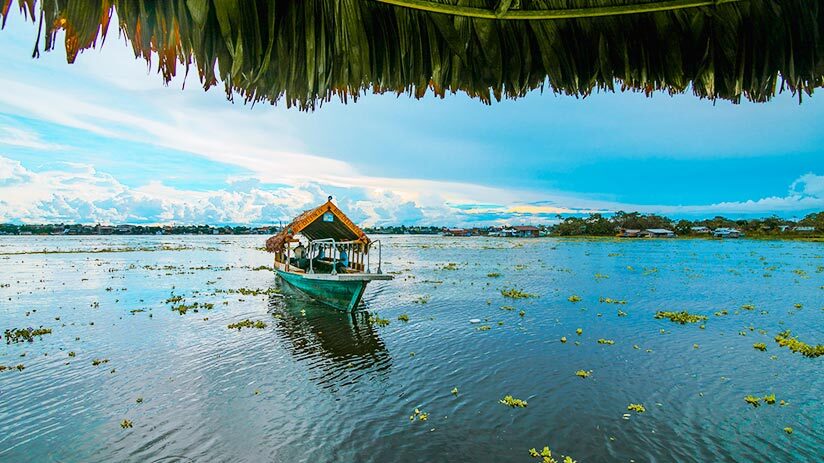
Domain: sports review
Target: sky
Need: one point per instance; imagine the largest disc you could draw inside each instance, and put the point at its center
(103, 140)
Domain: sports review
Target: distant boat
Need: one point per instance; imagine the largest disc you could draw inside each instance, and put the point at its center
(325, 255)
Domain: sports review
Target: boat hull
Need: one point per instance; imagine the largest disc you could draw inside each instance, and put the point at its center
(341, 294)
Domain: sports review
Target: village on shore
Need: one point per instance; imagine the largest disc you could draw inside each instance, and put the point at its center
(620, 224)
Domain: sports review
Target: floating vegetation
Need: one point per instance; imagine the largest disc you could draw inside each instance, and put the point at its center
(601, 276)
(403, 317)
(574, 298)
(454, 391)
(606, 341)
(607, 300)
(748, 307)
(583, 373)
(19, 367)
(422, 299)
(721, 313)
(546, 456)
(18, 335)
(421, 416)
(579, 331)
(183, 308)
(621, 313)
(682, 317)
(261, 267)
(97, 362)
(507, 307)
(563, 339)
(769, 399)
(639, 408)
(785, 339)
(484, 328)
(522, 313)
(513, 402)
(753, 400)
(760, 346)
(377, 320)
(788, 430)
(493, 275)
(139, 400)
(72, 354)
(247, 324)
(516, 294)
(450, 266)
(125, 424)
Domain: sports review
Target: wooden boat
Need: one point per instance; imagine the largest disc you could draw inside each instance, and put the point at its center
(325, 255)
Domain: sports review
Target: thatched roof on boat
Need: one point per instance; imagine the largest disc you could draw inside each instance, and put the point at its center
(315, 224)
(306, 52)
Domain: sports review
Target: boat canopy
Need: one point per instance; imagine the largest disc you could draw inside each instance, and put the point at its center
(324, 221)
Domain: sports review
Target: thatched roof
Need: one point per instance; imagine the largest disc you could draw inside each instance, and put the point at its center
(305, 52)
(313, 225)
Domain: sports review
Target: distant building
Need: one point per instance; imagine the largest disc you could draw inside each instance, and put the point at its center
(659, 233)
(526, 231)
(105, 230)
(700, 230)
(456, 232)
(629, 233)
(726, 233)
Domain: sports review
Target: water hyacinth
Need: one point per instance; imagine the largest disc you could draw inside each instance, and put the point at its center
(513, 402)
(785, 339)
(546, 456)
(247, 324)
(639, 408)
(583, 373)
(574, 298)
(760, 346)
(753, 400)
(125, 424)
(516, 294)
(606, 341)
(682, 317)
(18, 335)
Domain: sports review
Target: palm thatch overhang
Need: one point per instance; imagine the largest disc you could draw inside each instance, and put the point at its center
(306, 52)
(313, 225)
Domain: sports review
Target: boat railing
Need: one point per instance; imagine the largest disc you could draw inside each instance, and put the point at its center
(369, 259)
(332, 244)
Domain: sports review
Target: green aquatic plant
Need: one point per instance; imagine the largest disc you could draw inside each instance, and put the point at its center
(563, 339)
(753, 400)
(247, 324)
(516, 294)
(72, 354)
(97, 362)
(639, 408)
(579, 331)
(748, 307)
(682, 317)
(583, 373)
(769, 399)
(721, 313)
(601, 276)
(513, 402)
(18, 335)
(450, 266)
(125, 424)
(454, 391)
(788, 430)
(421, 416)
(546, 456)
(606, 341)
(403, 317)
(574, 298)
(422, 299)
(19, 367)
(507, 307)
(484, 328)
(139, 400)
(522, 313)
(785, 339)
(621, 313)
(607, 300)
(261, 267)
(493, 275)
(760, 346)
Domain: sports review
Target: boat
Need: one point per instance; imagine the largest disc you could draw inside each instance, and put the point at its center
(325, 255)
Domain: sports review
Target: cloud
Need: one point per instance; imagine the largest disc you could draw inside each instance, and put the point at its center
(23, 138)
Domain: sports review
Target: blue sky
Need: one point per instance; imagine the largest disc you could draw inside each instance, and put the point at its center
(103, 140)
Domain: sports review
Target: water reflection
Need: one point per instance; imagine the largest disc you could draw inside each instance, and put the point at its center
(340, 348)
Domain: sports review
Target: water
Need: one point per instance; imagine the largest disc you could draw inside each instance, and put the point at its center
(317, 385)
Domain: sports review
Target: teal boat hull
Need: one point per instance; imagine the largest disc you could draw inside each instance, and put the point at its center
(343, 295)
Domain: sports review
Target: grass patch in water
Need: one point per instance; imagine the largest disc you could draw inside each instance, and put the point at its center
(19, 367)
(125, 424)
(513, 402)
(377, 320)
(785, 339)
(583, 373)
(574, 298)
(546, 456)
(516, 294)
(247, 324)
(639, 408)
(421, 416)
(788, 430)
(18, 335)
(753, 400)
(606, 341)
(493, 275)
(403, 317)
(760, 346)
(682, 317)
(97, 362)
(607, 300)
